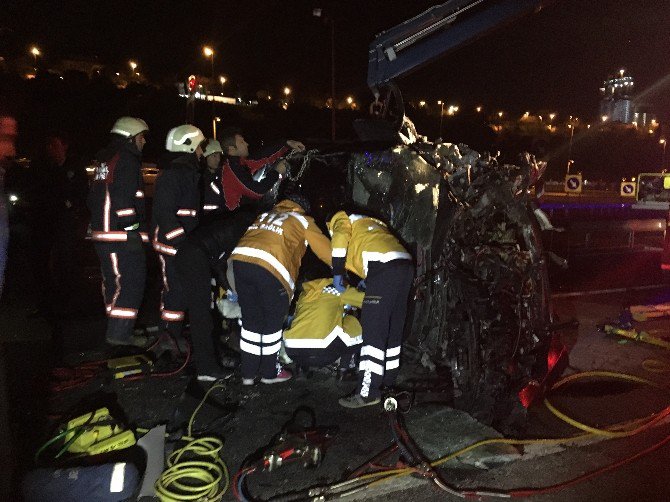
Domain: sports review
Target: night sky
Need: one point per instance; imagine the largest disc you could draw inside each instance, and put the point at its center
(554, 60)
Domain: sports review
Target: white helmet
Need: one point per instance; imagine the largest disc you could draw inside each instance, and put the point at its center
(129, 127)
(213, 146)
(184, 138)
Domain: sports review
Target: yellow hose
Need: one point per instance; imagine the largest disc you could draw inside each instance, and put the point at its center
(616, 430)
(196, 471)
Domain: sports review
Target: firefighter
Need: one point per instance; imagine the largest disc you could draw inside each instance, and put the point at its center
(203, 255)
(213, 203)
(175, 214)
(247, 177)
(366, 247)
(118, 227)
(265, 266)
(322, 330)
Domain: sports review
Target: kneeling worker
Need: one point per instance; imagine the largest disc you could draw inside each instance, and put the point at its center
(265, 264)
(321, 330)
(366, 247)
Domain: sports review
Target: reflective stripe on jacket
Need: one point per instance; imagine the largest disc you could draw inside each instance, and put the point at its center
(319, 318)
(361, 240)
(278, 239)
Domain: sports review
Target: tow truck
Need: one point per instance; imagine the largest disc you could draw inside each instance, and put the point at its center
(480, 316)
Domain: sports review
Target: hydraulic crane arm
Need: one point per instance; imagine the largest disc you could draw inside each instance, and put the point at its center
(437, 31)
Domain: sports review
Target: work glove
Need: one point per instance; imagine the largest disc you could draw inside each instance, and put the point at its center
(361, 285)
(135, 241)
(338, 283)
(336, 288)
(231, 296)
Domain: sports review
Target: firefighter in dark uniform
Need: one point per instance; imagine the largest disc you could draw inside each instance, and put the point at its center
(213, 204)
(175, 214)
(247, 178)
(366, 247)
(265, 265)
(203, 255)
(118, 228)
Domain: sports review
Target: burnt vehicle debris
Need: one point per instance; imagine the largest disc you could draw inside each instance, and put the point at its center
(480, 315)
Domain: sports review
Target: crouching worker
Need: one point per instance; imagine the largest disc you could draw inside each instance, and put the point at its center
(265, 264)
(366, 247)
(201, 256)
(321, 331)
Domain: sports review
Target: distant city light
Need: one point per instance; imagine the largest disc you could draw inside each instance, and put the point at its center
(422, 103)
(439, 102)
(133, 65)
(552, 116)
(622, 71)
(526, 115)
(500, 114)
(35, 51)
(662, 141)
(208, 51)
(287, 91)
(479, 109)
(350, 100)
(222, 79)
(604, 118)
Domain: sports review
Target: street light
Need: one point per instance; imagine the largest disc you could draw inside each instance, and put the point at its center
(133, 65)
(35, 52)
(570, 161)
(552, 116)
(479, 109)
(214, 121)
(422, 103)
(441, 103)
(222, 79)
(663, 142)
(209, 53)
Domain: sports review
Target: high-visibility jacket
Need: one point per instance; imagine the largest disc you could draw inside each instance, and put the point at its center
(359, 240)
(278, 239)
(319, 318)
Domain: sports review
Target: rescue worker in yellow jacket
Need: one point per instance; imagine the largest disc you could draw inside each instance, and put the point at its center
(321, 330)
(366, 247)
(265, 264)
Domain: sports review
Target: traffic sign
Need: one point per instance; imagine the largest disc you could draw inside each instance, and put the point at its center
(627, 189)
(573, 183)
(192, 84)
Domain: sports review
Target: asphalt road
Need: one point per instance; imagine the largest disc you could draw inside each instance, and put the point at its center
(249, 418)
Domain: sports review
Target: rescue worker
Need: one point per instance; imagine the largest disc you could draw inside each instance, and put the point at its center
(265, 266)
(8, 133)
(366, 247)
(212, 200)
(175, 214)
(239, 168)
(58, 226)
(118, 227)
(321, 330)
(203, 255)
